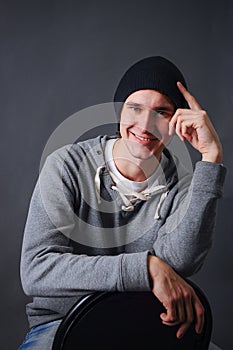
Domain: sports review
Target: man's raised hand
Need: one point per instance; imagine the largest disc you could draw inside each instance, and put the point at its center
(195, 126)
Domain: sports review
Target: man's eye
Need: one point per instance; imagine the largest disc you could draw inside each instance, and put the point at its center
(136, 109)
(164, 114)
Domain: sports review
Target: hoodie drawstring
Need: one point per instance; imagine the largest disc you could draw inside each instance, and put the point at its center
(125, 192)
(161, 200)
(97, 183)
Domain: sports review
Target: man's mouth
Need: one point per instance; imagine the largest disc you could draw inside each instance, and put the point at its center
(145, 139)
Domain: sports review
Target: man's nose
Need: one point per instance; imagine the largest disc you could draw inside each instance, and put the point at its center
(147, 122)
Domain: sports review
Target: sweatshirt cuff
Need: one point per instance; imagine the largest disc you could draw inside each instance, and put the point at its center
(209, 177)
(134, 272)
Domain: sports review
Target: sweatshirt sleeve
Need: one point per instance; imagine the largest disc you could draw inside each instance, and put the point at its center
(49, 266)
(186, 237)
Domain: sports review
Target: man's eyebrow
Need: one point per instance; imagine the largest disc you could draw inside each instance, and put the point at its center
(158, 108)
(134, 104)
(164, 108)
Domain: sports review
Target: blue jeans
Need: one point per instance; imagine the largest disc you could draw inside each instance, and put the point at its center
(40, 337)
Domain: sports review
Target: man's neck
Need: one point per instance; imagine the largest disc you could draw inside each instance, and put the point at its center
(134, 169)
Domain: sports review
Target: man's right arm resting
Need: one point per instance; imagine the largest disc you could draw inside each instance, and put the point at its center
(178, 297)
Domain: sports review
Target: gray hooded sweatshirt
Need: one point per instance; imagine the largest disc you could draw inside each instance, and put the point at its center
(85, 233)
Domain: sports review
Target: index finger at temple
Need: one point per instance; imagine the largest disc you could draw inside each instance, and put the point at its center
(192, 102)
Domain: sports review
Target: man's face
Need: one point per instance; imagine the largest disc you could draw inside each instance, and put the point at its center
(144, 123)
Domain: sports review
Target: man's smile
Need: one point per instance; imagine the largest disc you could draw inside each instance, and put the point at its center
(146, 139)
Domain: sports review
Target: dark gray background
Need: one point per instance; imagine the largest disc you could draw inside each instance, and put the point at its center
(58, 57)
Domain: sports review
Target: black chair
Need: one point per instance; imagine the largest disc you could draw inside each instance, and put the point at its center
(125, 320)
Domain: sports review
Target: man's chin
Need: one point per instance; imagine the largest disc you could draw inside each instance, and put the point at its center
(143, 153)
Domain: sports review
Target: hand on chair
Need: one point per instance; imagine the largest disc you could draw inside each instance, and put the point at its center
(177, 296)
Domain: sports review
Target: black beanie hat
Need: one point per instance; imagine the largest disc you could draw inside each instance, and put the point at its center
(155, 73)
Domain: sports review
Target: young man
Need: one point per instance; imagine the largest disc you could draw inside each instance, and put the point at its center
(121, 213)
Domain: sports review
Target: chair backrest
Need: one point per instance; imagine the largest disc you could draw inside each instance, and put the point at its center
(125, 320)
